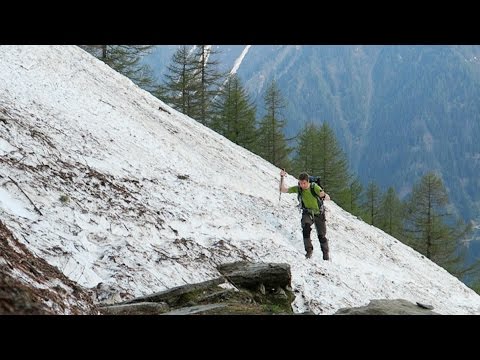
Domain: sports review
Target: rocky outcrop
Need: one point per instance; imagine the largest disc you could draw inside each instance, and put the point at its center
(389, 307)
(141, 308)
(253, 275)
(29, 285)
(180, 295)
(243, 288)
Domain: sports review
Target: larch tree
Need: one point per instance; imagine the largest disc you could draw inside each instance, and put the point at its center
(391, 214)
(371, 206)
(235, 115)
(333, 166)
(430, 228)
(353, 197)
(271, 139)
(126, 59)
(209, 79)
(308, 147)
(425, 208)
(181, 83)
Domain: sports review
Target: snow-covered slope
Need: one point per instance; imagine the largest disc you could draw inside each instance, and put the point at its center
(136, 196)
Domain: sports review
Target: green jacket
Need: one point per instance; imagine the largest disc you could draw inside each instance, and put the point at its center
(309, 200)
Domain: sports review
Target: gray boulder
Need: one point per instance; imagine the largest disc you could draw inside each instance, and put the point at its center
(389, 307)
(255, 275)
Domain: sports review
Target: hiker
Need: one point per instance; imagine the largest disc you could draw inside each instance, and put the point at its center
(311, 213)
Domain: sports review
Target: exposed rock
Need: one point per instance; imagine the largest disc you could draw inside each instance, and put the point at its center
(257, 288)
(388, 307)
(143, 308)
(280, 293)
(195, 310)
(261, 288)
(425, 306)
(217, 296)
(107, 294)
(251, 275)
(181, 295)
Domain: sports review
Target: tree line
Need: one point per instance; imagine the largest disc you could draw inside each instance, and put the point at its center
(194, 86)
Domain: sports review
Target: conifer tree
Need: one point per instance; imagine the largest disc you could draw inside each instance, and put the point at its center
(391, 214)
(209, 79)
(182, 83)
(272, 143)
(333, 167)
(353, 197)
(235, 117)
(432, 231)
(425, 207)
(371, 207)
(307, 150)
(126, 59)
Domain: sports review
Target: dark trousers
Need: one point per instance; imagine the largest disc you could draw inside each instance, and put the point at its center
(319, 221)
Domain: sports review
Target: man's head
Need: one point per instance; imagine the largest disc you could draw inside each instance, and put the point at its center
(303, 181)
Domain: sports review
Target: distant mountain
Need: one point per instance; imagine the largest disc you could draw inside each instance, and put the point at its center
(398, 111)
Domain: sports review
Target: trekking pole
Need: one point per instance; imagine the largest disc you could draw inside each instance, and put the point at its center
(280, 188)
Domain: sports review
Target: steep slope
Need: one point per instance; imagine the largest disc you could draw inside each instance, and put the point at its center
(29, 285)
(124, 194)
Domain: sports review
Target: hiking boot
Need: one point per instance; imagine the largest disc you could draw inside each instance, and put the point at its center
(324, 247)
(308, 255)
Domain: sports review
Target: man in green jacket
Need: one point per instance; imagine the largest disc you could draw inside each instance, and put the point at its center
(311, 212)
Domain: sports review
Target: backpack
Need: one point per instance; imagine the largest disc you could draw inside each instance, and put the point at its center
(312, 180)
(315, 179)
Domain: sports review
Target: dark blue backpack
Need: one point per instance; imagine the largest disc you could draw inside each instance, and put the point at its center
(315, 179)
